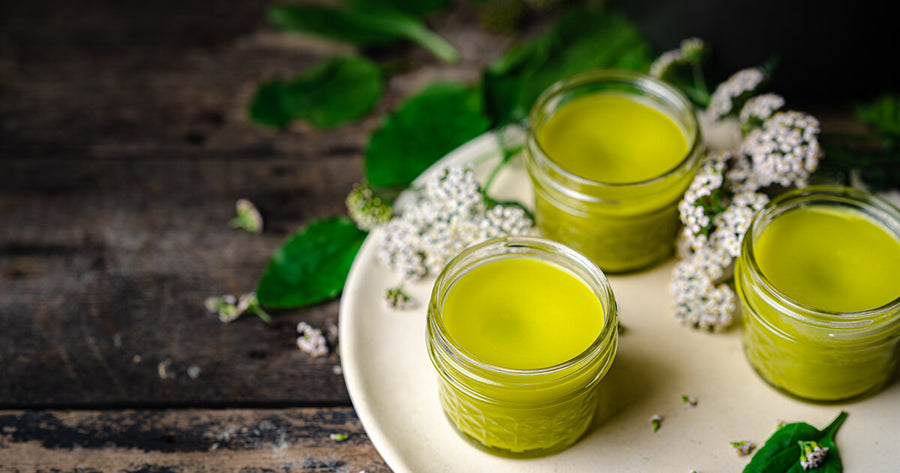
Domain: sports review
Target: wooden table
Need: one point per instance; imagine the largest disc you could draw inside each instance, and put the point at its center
(124, 143)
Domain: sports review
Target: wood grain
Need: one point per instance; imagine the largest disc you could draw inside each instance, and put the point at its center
(124, 144)
(191, 440)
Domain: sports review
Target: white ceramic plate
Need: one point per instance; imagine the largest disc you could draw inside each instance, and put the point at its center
(394, 389)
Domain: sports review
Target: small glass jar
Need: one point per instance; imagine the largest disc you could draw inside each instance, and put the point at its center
(520, 413)
(621, 226)
(807, 352)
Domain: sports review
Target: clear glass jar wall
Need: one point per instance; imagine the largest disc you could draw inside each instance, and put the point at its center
(807, 352)
(520, 412)
(621, 226)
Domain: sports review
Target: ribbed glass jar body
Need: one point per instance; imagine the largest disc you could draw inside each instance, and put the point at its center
(520, 412)
(621, 226)
(805, 351)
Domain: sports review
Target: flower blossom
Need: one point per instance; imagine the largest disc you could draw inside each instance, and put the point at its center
(785, 150)
(447, 215)
(728, 95)
(366, 209)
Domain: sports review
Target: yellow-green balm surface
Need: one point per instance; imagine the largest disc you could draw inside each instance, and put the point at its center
(833, 259)
(610, 154)
(613, 139)
(522, 314)
(820, 318)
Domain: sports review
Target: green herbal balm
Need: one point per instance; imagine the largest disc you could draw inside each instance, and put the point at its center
(610, 154)
(521, 331)
(819, 282)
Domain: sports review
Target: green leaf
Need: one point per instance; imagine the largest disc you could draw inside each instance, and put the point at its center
(422, 130)
(781, 454)
(312, 265)
(780, 451)
(334, 92)
(882, 113)
(359, 27)
(582, 39)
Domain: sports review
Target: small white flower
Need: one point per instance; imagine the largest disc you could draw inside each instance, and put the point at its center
(447, 215)
(702, 200)
(785, 150)
(225, 306)
(698, 301)
(743, 447)
(728, 95)
(366, 209)
(311, 340)
(812, 454)
(689, 401)
(655, 422)
(690, 50)
(693, 48)
(666, 60)
(758, 109)
(396, 298)
(731, 224)
(248, 217)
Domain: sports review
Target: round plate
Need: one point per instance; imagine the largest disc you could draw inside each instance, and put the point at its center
(394, 388)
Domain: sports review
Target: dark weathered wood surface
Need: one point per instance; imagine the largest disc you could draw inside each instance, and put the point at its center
(154, 441)
(124, 144)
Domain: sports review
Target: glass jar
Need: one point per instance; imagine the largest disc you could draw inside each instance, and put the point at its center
(520, 412)
(621, 226)
(806, 351)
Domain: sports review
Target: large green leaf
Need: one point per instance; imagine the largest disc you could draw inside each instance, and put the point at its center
(582, 39)
(312, 265)
(337, 91)
(422, 130)
(360, 27)
(781, 453)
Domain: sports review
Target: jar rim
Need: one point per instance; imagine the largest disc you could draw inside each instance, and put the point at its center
(638, 80)
(451, 273)
(820, 193)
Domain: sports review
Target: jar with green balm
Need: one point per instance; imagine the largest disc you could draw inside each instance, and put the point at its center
(819, 283)
(521, 331)
(610, 154)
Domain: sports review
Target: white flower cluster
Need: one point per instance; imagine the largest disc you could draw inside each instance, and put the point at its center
(396, 298)
(311, 340)
(701, 198)
(732, 224)
(759, 108)
(665, 61)
(248, 217)
(785, 150)
(366, 209)
(230, 308)
(691, 49)
(724, 98)
(812, 455)
(744, 447)
(448, 215)
(699, 302)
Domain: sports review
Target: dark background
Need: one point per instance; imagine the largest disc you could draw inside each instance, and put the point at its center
(828, 52)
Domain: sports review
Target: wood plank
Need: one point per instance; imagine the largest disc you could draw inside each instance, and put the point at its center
(124, 143)
(191, 440)
(109, 262)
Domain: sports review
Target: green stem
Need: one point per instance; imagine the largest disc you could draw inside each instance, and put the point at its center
(701, 89)
(508, 154)
(833, 427)
(421, 35)
(256, 309)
